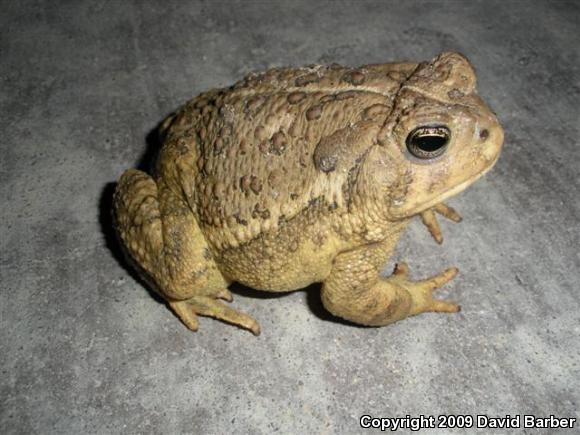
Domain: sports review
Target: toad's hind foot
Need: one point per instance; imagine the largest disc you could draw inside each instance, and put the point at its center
(429, 219)
(422, 291)
(188, 310)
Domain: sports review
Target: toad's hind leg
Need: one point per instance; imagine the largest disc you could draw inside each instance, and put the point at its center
(356, 292)
(209, 306)
(161, 235)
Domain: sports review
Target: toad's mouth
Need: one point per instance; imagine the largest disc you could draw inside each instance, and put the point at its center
(400, 214)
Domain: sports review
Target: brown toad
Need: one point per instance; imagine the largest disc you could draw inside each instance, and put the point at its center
(303, 175)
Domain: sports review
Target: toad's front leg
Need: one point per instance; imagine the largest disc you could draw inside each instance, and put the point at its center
(355, 290)
(429, 219)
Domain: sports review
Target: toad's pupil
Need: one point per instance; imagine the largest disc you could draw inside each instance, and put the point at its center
(430, 143)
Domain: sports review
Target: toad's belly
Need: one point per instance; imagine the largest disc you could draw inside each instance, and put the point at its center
(297, 253)
(266, 265)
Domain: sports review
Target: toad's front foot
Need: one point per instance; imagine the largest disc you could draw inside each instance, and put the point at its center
(422, 291)
(429, 218)
(188, 310)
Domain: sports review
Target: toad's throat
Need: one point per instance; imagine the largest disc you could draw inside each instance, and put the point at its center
(443, 196)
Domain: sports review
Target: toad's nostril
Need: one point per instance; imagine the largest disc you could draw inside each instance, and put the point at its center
(484, 134)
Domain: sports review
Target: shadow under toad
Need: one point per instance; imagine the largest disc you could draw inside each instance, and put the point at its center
(312, 299)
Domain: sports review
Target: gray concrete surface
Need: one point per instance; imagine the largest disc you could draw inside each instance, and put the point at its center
(86, 349)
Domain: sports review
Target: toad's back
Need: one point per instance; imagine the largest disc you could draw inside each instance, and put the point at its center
(267, 147)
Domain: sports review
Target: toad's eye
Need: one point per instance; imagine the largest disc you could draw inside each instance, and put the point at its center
(428, 142)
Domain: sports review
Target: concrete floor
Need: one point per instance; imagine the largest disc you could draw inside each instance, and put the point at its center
(86, 349)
